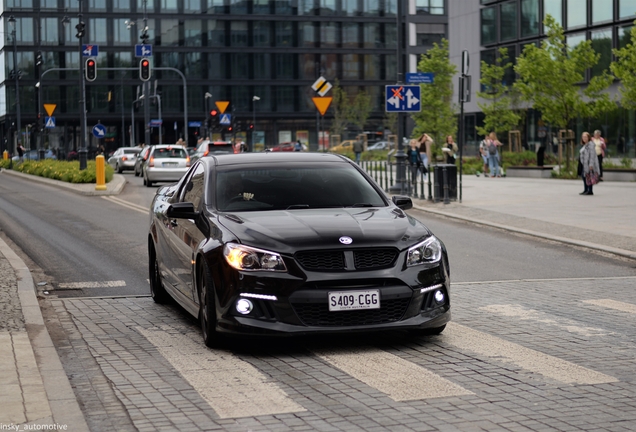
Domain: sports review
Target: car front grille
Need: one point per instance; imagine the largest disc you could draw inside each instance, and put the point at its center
(363, 259)
(318, 315)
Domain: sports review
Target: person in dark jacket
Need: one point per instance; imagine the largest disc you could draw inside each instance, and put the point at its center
(415, 159)
(358, 148)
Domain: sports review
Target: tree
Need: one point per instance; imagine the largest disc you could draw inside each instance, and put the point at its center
(437, 118)
(390, 122)
(360, 110)
(550, 78)
(499, 117)
(625, 70)
(340, 107)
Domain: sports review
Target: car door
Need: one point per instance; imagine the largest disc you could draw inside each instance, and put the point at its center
(188, 236)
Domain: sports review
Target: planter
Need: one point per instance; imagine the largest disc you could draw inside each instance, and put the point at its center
(621, 175)
(530, 171)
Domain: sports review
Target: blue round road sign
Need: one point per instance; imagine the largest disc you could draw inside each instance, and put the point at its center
(99, 131)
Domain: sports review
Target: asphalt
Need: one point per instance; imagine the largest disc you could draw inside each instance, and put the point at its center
(37, 391)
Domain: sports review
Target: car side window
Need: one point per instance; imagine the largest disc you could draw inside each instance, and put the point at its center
(193, 189)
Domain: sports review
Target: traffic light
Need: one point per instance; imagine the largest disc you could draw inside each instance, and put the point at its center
(80, 29)
(251, 126)
(144, 69)
(229, 128)
(90, 69)
(214, 119)
(38, 59)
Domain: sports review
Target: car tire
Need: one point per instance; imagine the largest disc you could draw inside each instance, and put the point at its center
(147, 182)
(157, 291)
(429, 331)
(207, 308)
(118, 169)
(136, 173)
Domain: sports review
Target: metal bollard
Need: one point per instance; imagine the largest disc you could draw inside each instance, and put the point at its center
(100, 173)
(445, 177)
(430, 186)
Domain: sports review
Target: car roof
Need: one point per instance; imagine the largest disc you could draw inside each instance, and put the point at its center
(276, 157)
(168, 145)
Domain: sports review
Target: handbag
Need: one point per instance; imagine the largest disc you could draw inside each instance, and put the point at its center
(591, 178)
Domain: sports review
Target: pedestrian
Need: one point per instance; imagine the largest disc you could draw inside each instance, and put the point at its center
(483, 153)
(298, 146)
(493, 155)
(358, 147)
(20, 152)
(415, 160)
(450, 149)
(588, 167)
(426, 143)
(101, 150)
(599, 147)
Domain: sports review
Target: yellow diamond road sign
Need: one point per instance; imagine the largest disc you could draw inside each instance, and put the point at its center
(322, 103)
(222, 105)
(50, 108)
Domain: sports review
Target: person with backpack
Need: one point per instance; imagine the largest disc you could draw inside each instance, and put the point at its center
(483, 153)
(493, 155)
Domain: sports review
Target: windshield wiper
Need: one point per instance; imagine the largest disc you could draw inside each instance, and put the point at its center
(297, 206)
(362, 205)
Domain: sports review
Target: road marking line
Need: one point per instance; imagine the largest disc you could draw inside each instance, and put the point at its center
(486, 345)
(233, 387)
(400, 379)
(613, 304)
(518, 311)
(81, 285)
(127, 204)
(544, 280)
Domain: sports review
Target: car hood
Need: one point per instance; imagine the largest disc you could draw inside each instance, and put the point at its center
(288, 231)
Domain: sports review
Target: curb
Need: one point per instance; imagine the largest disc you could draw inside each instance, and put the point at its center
(607, 249)
(114, 187)
(62, 401)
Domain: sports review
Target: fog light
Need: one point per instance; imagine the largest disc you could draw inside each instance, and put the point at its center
(439, 297)
(244, 306)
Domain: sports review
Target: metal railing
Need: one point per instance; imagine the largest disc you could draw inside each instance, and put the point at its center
(383, 172)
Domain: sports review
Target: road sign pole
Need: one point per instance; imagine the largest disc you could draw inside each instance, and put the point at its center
(400, 156)
(147, 113)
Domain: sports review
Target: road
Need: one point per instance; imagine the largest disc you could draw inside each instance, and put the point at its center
(542, 337)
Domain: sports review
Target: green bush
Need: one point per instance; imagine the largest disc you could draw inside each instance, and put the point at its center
(62, 170)
(5, 163)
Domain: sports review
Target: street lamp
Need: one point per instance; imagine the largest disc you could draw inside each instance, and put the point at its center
(254, 99)
(208, 95)
(17, 73)
(82, 153)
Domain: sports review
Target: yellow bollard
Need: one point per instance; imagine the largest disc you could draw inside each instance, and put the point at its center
(5, 155)
(100, 173)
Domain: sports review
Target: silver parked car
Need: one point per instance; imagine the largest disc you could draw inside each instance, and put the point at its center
(124, 158)
(140, 159)
(165, 163)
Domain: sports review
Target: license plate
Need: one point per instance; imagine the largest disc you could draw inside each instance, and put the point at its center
(170, 163)
(354, 300)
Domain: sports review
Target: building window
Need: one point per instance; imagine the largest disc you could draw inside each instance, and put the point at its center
(169, 32)
(350, 35)
(371, 67)
(329, 65)
(19, 4)
(529, 18)
(508, 21)
(327, 7)
(602, 44)
(262, 34)
(285, 66)
(350, 67)
(123, 59)
(50, 31)
(285, 99)
(25, 64)
(121, 5)
(429, 7)
(307, 66)
(218, 71)
(191, 6)
(284, 34)
(238, 7)
(624, 36)
(216, 33)
(47, 4)
(239, 66)
(192, 29)
(602, 11)
(23, 31)
(193, 66)
(390, 8)
(371, 32)
(328, 35)
(350, 7)
(215, 7)
(554, 8)
(306, 34)
(488, 57)
(97, 5)
(305, 7)
(98, 30)
(510, 76)
(390, 36)
(577, 13)
(627, 8)
(121, 32)
(428, 34)
(262, 66)
(238, 33)
(488, 26)
(390, 73)
(371, 7)
(284, 7)
(170, 59)
(168, 6)
(574, 39)
(260, 7)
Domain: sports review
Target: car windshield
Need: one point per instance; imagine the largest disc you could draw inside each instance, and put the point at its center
(293, 188)
(131, 151)
(170, 152)
(221, 147)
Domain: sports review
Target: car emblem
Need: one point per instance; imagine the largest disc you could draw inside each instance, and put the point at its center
(345, 240)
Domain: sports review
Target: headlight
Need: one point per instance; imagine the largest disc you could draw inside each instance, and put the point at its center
(248, 258)
(429, 251)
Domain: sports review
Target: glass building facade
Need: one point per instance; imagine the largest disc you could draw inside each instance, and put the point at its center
(230, 50)
(607, 23)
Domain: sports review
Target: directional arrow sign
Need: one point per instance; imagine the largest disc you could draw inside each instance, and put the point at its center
(99, 130)
(222, 105)
(322, 103)
(401, 98)
(143, 50)
(49, 122)
(90, 50)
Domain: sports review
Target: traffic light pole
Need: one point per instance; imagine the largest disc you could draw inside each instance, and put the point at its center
(83, 152)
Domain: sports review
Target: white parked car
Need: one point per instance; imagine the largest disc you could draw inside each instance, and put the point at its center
(124, 158)
(165, 163)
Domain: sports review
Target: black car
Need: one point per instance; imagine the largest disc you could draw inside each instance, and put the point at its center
(294, 243)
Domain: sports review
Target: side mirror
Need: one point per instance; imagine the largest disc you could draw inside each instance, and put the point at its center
(402, 202)
(182, 211)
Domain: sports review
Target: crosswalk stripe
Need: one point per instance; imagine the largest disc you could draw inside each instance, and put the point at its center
(613, 304)
(233, 387)
(80, 285)
(525, 314)
(400, 379)
(489, 346)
